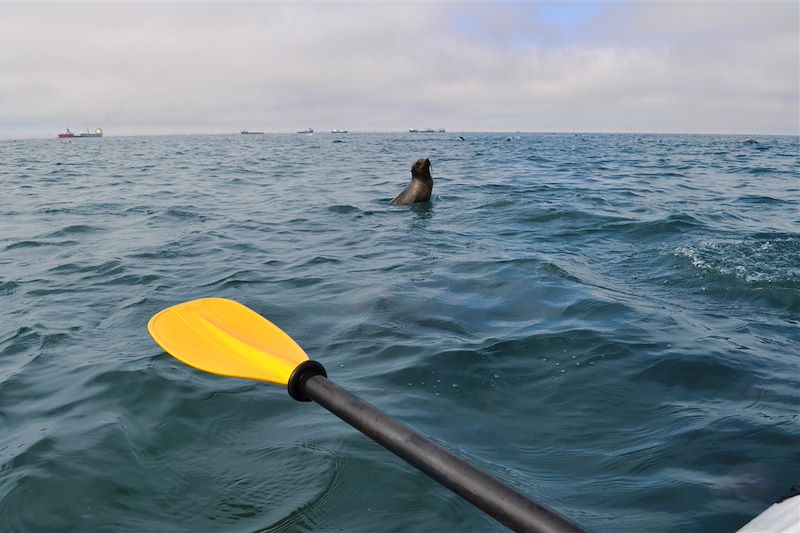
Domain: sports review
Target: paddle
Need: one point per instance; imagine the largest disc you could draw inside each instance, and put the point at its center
(224, 337)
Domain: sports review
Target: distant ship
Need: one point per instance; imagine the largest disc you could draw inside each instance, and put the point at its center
(98, 132)
(338, 131)
(427, 130)
(309, 131)
(245, 132)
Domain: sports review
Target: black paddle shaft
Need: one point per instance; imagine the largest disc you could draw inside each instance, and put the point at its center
(485, 492)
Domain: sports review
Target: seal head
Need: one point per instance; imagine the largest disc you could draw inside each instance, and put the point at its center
(420, 187)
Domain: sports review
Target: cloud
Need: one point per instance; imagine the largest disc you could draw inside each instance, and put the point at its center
(184, 68)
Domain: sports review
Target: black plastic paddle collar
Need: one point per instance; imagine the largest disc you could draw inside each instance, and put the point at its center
(297, 381)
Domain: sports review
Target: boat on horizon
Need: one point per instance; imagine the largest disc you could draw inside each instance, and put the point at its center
(98, 132)
(334, 130)
(309, 131)
(245, 132)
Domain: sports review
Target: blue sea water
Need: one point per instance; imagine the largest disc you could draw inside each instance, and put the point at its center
(609, 323)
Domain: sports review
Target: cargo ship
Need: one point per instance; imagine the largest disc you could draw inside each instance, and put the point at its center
(98, 132)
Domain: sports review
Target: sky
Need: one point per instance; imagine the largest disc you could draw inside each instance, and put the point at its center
(190, 67)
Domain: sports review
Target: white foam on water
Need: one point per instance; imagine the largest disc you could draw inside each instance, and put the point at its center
(751, 260)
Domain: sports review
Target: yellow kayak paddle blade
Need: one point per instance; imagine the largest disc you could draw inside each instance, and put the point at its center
(224, 337)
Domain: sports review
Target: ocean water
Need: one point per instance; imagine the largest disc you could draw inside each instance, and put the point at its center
(609, 323)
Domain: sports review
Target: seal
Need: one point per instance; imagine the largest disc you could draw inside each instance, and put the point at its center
(420, 187)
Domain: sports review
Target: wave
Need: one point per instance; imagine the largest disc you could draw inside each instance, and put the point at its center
(22, 340)
(694, 372)
(566, 215)
(76, 229)
(674, 224)
(8, 287)
(343, 209)
(25, 244)
(770, 259)
(181, 214)
(763, 200)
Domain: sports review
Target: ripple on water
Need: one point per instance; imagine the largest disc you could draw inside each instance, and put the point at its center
(149, 485)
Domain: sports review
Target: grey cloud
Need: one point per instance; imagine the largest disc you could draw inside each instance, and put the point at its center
(170, 68)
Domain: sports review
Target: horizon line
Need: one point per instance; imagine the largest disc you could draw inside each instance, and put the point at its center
(357, 132)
